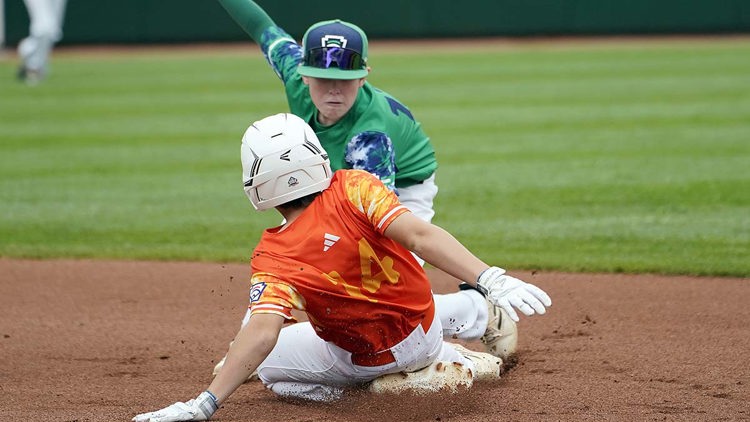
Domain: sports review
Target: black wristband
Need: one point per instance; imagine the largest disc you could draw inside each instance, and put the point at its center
(466, 286)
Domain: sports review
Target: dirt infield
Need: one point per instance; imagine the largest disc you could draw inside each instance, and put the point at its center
(104, 340)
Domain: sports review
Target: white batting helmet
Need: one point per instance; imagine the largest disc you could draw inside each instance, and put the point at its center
(282, 160)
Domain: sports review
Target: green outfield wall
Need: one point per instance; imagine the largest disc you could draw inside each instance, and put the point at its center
(174, 21)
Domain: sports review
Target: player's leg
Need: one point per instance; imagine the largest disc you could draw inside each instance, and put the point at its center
(457, 368)
(303, 365)
(59, 11)
(45, 29)
(470, 316)
(464, 314)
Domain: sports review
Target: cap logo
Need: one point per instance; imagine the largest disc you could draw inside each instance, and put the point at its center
(333, 41)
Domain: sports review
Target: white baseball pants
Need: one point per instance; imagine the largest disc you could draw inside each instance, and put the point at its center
(45, 30)
(302, 365)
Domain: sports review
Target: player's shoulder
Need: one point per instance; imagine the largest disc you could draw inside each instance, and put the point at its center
(352, 175)
(379, 94)
(344, 180)
(359, 185)
(386, 108)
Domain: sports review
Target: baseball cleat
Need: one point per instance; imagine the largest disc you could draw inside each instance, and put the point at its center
(501, 336)
(440, 376)
(29, 76)
(486, 366)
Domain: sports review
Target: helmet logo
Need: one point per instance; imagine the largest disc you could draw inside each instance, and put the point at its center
(285, 156)
(292, 181)
(333, 41)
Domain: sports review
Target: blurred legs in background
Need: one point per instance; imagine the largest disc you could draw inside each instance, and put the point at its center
(45, 29)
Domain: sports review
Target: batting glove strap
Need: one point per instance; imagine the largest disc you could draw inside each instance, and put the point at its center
(207, 403)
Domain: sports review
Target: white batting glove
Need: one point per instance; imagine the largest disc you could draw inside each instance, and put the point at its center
(199, 409)
(506, 292)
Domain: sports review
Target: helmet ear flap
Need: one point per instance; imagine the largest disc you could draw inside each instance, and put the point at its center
(282, 160)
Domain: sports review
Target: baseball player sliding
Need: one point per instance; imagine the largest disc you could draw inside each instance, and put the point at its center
(365, 321)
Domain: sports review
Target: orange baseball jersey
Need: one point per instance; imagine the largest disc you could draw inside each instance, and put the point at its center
(361, 290)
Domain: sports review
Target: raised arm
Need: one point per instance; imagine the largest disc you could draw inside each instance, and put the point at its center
(249, 16)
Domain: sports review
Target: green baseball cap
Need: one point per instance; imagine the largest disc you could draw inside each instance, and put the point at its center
(334, 50)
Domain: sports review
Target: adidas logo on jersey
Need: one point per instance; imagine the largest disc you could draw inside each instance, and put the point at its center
(330, 240)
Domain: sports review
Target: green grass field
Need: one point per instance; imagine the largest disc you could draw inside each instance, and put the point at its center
(590, 157)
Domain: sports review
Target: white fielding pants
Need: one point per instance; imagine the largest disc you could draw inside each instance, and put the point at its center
(302, 365)
(46, 17)
(305, 366)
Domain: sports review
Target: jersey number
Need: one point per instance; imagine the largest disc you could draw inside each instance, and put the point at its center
(370, 281)
(397, 106)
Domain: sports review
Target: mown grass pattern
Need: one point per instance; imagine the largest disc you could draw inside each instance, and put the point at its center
(620, 157)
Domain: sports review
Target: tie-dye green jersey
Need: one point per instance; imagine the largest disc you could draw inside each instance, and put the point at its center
(378, 135)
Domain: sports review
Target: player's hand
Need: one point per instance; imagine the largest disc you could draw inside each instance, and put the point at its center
(506, 292)
(199, 409)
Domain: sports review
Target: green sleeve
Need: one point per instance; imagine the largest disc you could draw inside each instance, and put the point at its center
(249, 16)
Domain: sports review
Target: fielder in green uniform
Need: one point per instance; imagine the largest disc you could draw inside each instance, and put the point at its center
(359, 125)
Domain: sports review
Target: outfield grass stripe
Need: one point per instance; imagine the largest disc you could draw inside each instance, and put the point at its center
(631, 157)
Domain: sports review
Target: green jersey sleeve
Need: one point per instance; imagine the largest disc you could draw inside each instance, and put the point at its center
(249, 16)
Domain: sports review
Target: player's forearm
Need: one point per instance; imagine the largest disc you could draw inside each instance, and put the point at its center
(248, 350)
(249, 16)
(436, 246)
(442, 250)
